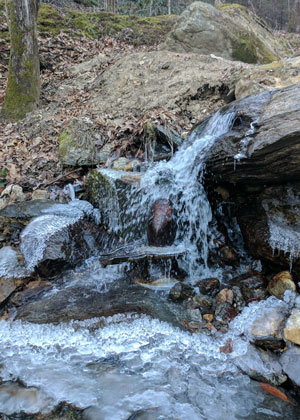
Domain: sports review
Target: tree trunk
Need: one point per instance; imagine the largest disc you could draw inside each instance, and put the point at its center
(23, 86)
(169, 7)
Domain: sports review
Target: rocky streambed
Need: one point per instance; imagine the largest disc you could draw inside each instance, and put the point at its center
(172, 290)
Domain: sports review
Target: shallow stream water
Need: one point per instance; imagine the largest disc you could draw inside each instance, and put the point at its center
(133, 366)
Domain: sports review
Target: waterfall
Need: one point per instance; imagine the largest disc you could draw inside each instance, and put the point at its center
(180, 181)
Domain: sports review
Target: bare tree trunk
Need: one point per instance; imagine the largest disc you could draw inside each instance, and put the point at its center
(23, 86)
(150, 8)
(169, 7)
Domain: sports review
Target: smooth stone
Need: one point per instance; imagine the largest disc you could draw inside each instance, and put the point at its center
(292, 327)
(280, 283)
(161, 225)
(266, 330)
(225, 295)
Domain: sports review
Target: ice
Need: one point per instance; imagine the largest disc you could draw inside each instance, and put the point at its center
(116, 366)
(9, 263)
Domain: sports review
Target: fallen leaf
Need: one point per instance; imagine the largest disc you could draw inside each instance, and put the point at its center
(276, 393)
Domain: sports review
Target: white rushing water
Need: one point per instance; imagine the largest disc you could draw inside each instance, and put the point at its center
(180, 181)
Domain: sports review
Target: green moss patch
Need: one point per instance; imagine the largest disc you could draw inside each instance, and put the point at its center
(49, 20)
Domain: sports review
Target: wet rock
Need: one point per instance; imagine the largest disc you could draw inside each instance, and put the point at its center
(208, 317)
(160, 142)
(221, 312)
(280, 283)
(261, 365)
(205, 303)
(225, 295)
(290, 362)
(193, 315)
(108, 191)
(266, 329)
(14, 217)
(181, 291)
(32, 289)
(223, 31)
(80, 144)
(161, 226)
(253, 287)
(209, 286)
(292, 327)
(227, 255)
(64, 237)
(238, 298)
(12, 272)
(270, 227)
(82, 302)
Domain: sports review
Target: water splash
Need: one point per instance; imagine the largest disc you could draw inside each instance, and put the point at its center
(180, 181)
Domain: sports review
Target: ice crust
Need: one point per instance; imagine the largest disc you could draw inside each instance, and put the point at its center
(118, 365)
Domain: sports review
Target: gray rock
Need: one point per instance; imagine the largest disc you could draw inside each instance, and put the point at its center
(80, 144)
(290, 362)
(261, 365)
(181, 291)
(230, 31)
(292, 327)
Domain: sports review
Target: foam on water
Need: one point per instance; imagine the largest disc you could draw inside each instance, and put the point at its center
(132, 362)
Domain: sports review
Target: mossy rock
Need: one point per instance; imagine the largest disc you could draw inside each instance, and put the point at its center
(231, 31)
(78, 145)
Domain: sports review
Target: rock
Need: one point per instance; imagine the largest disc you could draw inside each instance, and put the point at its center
(222, 311)
(160, 142)
(192, 85)
(161, 225)
(229, 31)
(124, 164)
(108, 190)
(81, 302)
(225, 295)
(193, 315)
(270, 226)
(209, 286)
(80, 144)
(205, 303)
(280, 283)
(266, 329)
(14, 217)
(11, 194)
(253, 286)
(227, 255)
(12, 272)
(290, 362)
(181, 291)
(238, 299)
(40, 195)
(208, 317)
(292, 327)
(65, 236)
(259, 79)
(263, 138)
(261, 365)
(33, 289)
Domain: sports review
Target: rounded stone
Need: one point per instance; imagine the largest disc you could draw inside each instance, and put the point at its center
(280, 283)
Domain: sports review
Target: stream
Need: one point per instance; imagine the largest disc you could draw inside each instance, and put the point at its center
(138, 364)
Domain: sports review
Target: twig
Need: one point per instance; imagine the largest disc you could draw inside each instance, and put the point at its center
(60, 177)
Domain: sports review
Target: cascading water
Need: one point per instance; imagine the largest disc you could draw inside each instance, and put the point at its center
(132, 366)
(180, 181)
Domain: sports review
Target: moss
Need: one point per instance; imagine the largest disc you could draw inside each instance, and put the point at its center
(22, 93)
(245, 50)
(65, 142)
(49, 20)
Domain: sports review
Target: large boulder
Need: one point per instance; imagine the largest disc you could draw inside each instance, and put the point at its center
(230, 31)
(263, 145)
